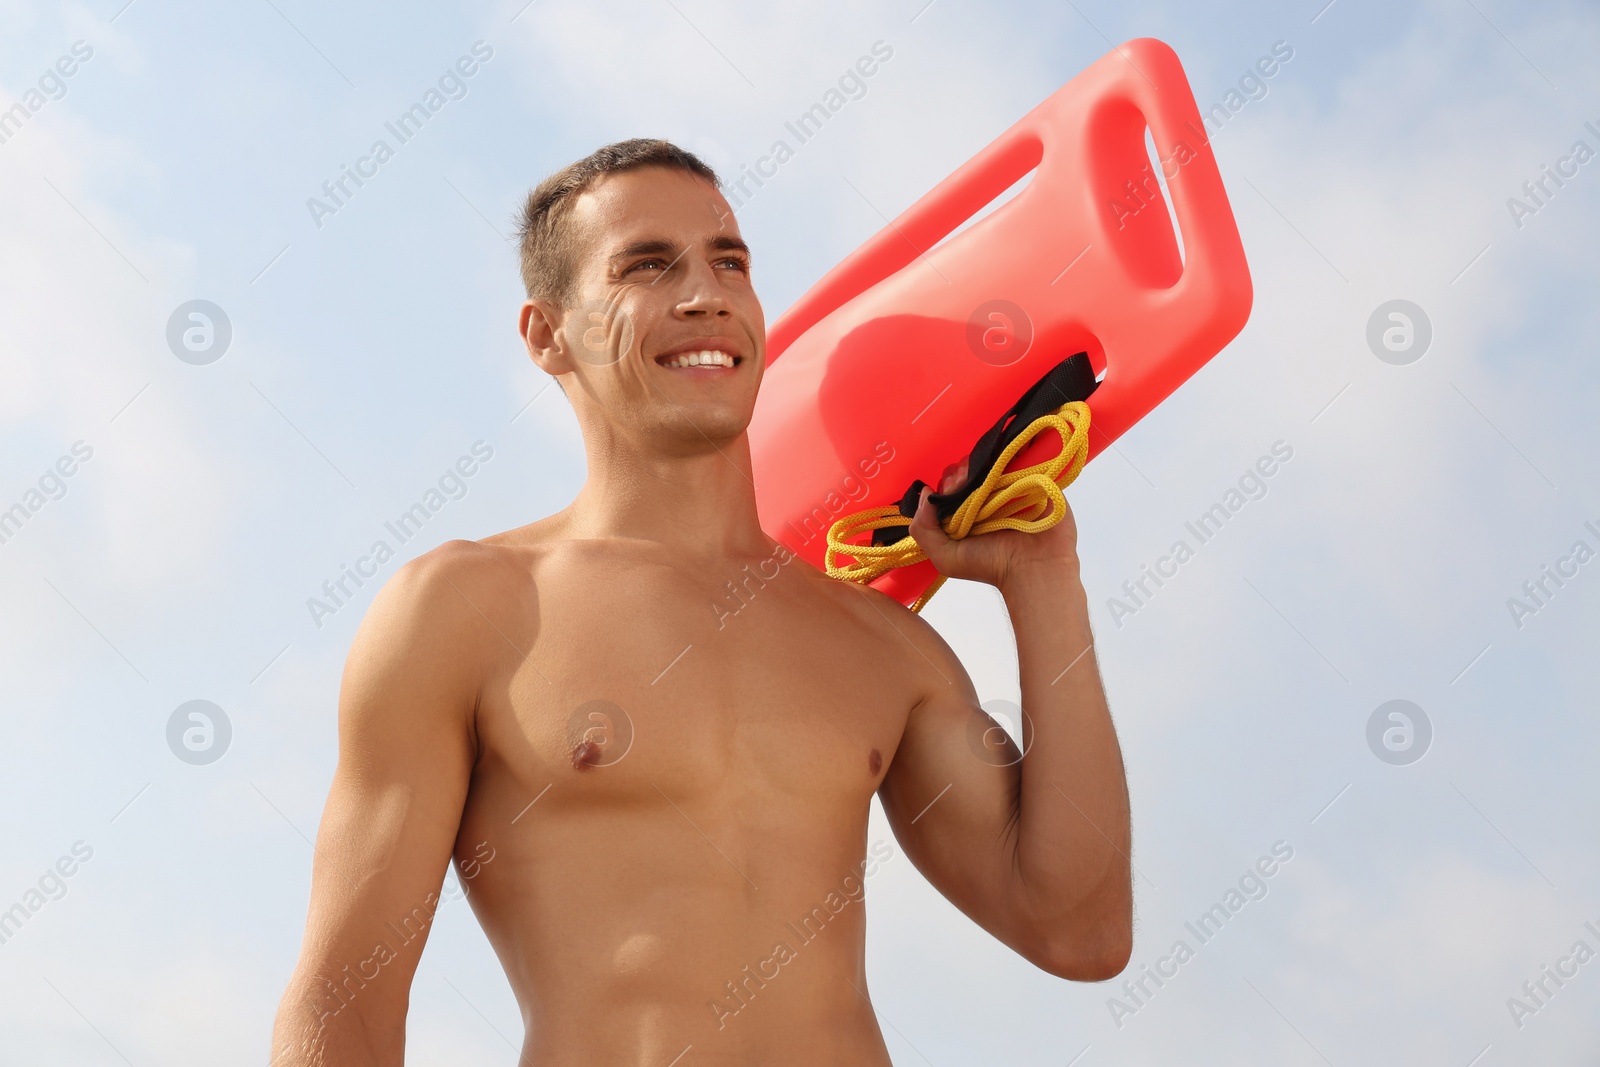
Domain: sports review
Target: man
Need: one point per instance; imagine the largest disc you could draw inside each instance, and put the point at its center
(658, 804)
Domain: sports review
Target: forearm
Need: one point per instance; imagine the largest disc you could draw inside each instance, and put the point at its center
(1073, 837)
(317, 1028)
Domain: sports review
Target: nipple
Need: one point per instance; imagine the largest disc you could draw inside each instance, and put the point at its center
(875, 762)
(586, 754)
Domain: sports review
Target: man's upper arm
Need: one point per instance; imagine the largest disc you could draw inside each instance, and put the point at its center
(406, 752)
(952, 796)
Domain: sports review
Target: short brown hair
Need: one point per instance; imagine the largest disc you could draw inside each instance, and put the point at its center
(548, 270)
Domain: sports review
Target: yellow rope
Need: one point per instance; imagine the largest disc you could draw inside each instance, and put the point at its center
(1029, 500)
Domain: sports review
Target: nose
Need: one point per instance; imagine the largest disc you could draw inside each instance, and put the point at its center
(702, 296)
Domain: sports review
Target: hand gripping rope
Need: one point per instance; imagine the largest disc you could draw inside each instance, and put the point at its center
(992, 498)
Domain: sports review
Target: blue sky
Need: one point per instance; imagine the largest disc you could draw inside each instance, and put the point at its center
(371, 352)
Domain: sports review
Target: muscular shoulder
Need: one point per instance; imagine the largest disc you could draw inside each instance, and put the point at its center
(434, 622)
(902, 635)
(430, 596)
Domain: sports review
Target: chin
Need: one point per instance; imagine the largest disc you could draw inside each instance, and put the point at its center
(716, 422)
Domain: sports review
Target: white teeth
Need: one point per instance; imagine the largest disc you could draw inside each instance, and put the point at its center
(707, 358)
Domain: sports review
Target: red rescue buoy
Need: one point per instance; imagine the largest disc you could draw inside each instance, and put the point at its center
(893, 364)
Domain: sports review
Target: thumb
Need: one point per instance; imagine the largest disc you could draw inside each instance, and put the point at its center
(925, 528)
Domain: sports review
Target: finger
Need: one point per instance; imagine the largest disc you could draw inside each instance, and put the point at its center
(925, 518)
(930, 536)
(954, 477)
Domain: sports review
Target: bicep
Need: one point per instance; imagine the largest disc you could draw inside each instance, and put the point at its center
(405, 762)
(952, 796)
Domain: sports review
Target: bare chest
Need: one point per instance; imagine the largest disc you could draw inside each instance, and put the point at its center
(754, 687)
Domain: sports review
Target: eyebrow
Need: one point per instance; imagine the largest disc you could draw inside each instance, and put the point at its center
(658, 246)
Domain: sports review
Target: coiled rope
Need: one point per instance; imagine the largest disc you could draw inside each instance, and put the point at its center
(1029, 500)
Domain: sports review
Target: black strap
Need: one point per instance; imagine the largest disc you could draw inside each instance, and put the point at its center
(1071, 379)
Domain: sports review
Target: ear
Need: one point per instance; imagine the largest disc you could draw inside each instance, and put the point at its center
(540, 323)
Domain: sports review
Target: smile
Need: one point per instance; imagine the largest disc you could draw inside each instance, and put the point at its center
(711, 361)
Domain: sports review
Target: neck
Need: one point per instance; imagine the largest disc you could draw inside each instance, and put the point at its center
(700, 503)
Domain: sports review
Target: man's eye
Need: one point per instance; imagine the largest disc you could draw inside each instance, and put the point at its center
(646, 263)
(738, 264)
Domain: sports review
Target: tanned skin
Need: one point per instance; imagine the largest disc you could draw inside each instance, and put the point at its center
(638, 863)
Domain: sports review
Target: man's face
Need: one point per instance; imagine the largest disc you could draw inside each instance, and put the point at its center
(668, 339)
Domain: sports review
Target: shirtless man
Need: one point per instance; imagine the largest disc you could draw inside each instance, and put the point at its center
(659, 804)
